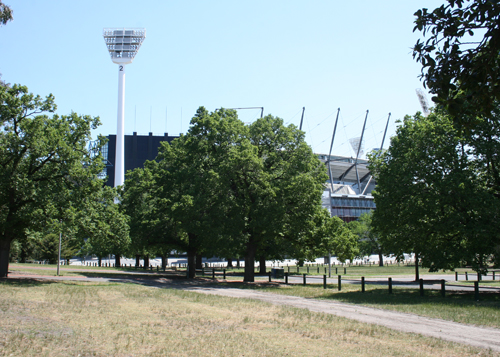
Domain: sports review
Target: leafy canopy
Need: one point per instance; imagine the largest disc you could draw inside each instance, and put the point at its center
(460, 57)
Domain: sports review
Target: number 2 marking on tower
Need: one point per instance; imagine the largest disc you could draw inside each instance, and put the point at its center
(121, 68)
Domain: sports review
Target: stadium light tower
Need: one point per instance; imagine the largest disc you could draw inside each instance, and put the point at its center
(123, 44)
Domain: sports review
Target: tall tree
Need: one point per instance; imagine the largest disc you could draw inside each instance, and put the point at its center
(431, 198)
(279, 194)
(327, 236)
(103, 225)
(152, 230)
(192, 183)
(41, 158)
(460, 62)
(368, 240)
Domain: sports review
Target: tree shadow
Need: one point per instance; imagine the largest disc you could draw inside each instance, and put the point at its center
(381, 296)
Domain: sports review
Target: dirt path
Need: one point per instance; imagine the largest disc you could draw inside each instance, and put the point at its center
(484, 337)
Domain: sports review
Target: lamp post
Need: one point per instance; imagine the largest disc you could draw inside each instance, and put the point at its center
(123, 44)
(59, 251)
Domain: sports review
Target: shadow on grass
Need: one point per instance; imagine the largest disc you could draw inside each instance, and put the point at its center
(27, 282)
(379, 296)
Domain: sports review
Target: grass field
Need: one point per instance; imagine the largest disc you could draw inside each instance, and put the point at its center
(84, 319)
(458, 307)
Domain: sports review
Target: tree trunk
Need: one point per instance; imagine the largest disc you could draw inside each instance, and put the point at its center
(191, 252)
(191, 263)
(164, 261)
(137, 261)
(146, 261)
(229, 263)
(238, 263)
(99, 259)
(380, 259)
(4, 257)
(249, 275)
(262, 264)
(67, 261)
(417, 276)
(117, 260)
(199, 261)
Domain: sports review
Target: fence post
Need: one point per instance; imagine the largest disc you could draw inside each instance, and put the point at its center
(304, 278)
(288, 270)
(213, 273)
(269, 276)
(297, 269)
(466, 276)
(324, 281)
(390, 285)
(308, 269)
(345, 271)
(336, 271)
(421, 282)
(318, 269)
(456, 276)
(493, 275)
(224, 274)
(340, 282)
(443, 288)
(476, 291)
(362, 284)
(286, 278)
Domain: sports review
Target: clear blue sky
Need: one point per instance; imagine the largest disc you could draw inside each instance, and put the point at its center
(282, 55)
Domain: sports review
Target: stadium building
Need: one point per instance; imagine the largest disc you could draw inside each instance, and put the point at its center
(138, 149)
(348, 191)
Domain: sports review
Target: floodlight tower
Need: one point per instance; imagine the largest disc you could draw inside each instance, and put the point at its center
(123, 44)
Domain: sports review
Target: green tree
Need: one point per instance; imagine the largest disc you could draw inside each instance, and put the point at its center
(5, 13)
(42, 158)
(331, 236)
(460, 62)
(192, 179)
(152, 230)
(432, 198)
(368, 241)
(277, 189)
(234, 190)
(103, 224)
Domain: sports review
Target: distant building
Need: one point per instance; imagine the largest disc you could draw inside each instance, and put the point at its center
(138, 149)
(348, 190)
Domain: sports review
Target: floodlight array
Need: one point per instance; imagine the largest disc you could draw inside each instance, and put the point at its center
(123, 43)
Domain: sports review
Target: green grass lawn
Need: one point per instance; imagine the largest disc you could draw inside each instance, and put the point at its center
(88, 319)
(458, 307)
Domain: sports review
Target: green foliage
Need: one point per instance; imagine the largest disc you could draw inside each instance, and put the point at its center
(5, 13)
(368, 241)
(45, 165)
(435, 196)
(103, 224)
(460, 62)
(227, 189)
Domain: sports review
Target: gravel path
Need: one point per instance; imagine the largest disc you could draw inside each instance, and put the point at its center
(483, 337)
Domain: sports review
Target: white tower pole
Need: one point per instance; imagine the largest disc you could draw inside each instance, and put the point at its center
(120, 130)
(122, 44)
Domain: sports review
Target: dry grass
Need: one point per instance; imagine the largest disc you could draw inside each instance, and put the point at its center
(458, 307)
(71, 319)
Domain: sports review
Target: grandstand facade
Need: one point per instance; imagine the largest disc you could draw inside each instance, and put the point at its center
(347, 193)
(138, 149)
